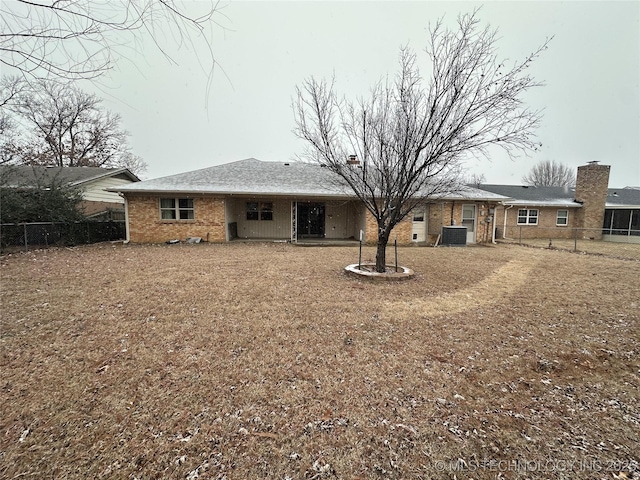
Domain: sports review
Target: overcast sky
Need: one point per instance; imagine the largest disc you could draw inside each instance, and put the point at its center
(591, 70)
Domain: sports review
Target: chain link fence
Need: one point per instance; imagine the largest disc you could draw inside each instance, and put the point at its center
(610, 242)
(27, 236)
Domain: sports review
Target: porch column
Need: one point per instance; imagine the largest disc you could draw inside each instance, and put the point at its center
(294, 222)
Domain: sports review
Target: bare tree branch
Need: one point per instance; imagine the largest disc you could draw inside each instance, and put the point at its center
(80, 39)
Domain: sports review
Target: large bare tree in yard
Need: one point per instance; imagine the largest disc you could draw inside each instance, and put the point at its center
(81, 39)
(549, 173)
(61, 125)
(412, 134)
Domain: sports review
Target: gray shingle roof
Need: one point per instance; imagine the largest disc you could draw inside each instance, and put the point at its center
(623, 197)
(17, 176)
(256, 177)
(249, 176)
(535, 196)
(561, 196)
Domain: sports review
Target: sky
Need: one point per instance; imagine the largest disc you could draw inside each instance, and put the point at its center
(591, 71)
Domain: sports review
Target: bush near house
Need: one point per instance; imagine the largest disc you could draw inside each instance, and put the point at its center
(54, 204)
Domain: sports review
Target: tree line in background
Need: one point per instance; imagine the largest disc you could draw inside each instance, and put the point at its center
(549, 173)
(47, 123)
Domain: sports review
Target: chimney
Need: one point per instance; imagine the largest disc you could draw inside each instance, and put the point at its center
(353, 160)
(592, 183)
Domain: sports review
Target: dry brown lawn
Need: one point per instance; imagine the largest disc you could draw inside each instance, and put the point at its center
(630, 251)
(266, 361)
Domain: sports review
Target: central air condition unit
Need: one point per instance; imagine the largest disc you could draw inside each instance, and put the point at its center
(454, 236)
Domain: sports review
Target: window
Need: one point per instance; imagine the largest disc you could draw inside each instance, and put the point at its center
(562, 218)
(176, 209)
(266, 211)
(252, 211)
(259, 211)
(528, 216)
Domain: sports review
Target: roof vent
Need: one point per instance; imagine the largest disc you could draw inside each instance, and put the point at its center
(593, 162)
(286, 164)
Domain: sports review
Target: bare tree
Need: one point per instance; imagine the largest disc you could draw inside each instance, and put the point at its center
(475, 179)
(548, 173)
(79, 39)
(66, 127)
(412, 139)
(11, 88)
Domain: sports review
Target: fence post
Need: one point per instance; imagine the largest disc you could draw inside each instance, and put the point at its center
(520, 240)
(26, 243)
(395, 245)
(575, 239)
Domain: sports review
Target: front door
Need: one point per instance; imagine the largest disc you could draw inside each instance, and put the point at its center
(310, 220)
(469, 221)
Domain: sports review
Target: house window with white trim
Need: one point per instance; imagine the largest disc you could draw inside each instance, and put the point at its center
(528, 216)
(260, 211)
(176, 209)
(562, 218)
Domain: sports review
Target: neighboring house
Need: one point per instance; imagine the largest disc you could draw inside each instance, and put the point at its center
(252, 199)
(97, 202)
(588, 210)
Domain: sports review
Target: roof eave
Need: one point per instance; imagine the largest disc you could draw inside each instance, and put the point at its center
(227, 193)
(531, 203)
(110, 173)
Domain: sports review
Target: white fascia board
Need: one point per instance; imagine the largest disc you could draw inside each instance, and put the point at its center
(614, 206)
(532, 203)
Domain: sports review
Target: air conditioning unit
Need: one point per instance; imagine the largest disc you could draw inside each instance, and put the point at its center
(454, 236)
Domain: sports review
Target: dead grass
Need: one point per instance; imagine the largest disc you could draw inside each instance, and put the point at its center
(629, 251)
(266, 361)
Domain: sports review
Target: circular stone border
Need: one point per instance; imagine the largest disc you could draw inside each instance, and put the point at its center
(404, 273)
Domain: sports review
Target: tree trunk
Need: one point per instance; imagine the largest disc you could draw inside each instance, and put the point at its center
(381, 252)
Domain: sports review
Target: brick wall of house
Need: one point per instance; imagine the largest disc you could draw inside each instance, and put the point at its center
(592, 182)
(439, 214)
(546, 227)
(145, 225)
(402, 230)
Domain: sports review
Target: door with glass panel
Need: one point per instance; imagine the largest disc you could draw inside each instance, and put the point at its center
(469, 221)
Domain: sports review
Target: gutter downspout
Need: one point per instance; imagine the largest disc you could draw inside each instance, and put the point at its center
(504, 227)
(493, 225)
(127, 238)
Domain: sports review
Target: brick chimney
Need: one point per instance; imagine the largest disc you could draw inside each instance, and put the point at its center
(353, 160)
(592, 183)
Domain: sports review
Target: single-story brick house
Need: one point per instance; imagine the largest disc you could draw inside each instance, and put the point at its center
(253, 199)
(588, 210)
(93, 182)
